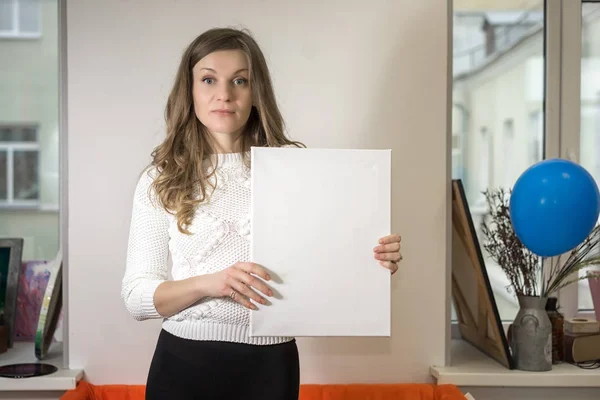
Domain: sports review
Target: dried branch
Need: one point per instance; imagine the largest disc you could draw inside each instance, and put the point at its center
(579, 258)
(521, 266)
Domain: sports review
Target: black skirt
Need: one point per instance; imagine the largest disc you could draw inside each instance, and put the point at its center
(183, 369)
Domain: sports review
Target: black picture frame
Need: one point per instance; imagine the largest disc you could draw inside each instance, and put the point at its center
(11, 256)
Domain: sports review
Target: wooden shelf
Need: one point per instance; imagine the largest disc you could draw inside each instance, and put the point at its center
(471, 367)
(24, 352)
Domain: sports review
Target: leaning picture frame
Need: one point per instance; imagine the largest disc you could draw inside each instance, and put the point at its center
(50, 309)
(479, 321)
(11, 254)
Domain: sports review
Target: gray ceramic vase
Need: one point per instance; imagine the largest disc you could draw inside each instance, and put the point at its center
(531, 335)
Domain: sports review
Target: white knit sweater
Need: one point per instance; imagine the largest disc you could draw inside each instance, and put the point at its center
(220, 237)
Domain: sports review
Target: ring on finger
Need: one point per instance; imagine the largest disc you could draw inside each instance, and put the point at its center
(232, 295)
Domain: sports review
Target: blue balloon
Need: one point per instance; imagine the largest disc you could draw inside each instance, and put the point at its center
(554, 206)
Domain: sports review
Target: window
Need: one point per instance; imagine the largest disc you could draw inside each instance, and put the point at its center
(589, 116)
(485, 162)
(30, 127)
(532, 75)
(19, 166)
(536, 143)
(498, 67)
(459, 131)
(20, 19)
(508, 146)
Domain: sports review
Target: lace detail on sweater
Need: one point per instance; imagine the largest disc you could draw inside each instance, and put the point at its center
(220, 237)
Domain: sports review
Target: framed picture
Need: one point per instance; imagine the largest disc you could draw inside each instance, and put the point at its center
(478, 318)
(11, 253)
(33, 281)
(50, 309)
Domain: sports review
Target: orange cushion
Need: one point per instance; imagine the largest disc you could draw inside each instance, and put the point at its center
(87, 391)
(407, 391)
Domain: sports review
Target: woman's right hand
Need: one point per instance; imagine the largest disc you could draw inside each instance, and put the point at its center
(238, 282)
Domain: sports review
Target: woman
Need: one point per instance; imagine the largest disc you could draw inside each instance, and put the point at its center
(193, 202)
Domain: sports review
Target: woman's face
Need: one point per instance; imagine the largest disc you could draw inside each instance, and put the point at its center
(222, 95)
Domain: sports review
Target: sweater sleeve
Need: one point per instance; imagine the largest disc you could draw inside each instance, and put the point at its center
(147, 252)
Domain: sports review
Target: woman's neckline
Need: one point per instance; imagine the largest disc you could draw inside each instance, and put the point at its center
(227, 158)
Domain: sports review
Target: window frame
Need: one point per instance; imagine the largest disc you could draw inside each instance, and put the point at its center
(16, 33)
(561, 109)
(570, 118)
(10, 148)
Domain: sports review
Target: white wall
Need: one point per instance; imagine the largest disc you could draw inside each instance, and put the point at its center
(349, 74)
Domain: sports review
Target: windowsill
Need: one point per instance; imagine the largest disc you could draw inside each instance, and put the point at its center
(51, 208)
(471, 367)
(20, 36)
(24, 352)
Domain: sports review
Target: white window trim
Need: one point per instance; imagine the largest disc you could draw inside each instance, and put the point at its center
(16, 33)
(568, 119)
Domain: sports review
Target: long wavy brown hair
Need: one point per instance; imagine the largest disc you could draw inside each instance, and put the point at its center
(182, 161)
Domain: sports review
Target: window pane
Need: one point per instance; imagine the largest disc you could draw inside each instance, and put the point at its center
(6, 15)
(590, 110)
(498, 96)
(29, 16)
(26, 175)
(29, 115)
(3, 177)
(18, 134)
(29, 134)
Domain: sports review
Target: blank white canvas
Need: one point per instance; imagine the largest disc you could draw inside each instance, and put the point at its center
(317, 215)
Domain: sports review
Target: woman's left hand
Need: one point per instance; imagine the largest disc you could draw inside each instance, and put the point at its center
(388, 252)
